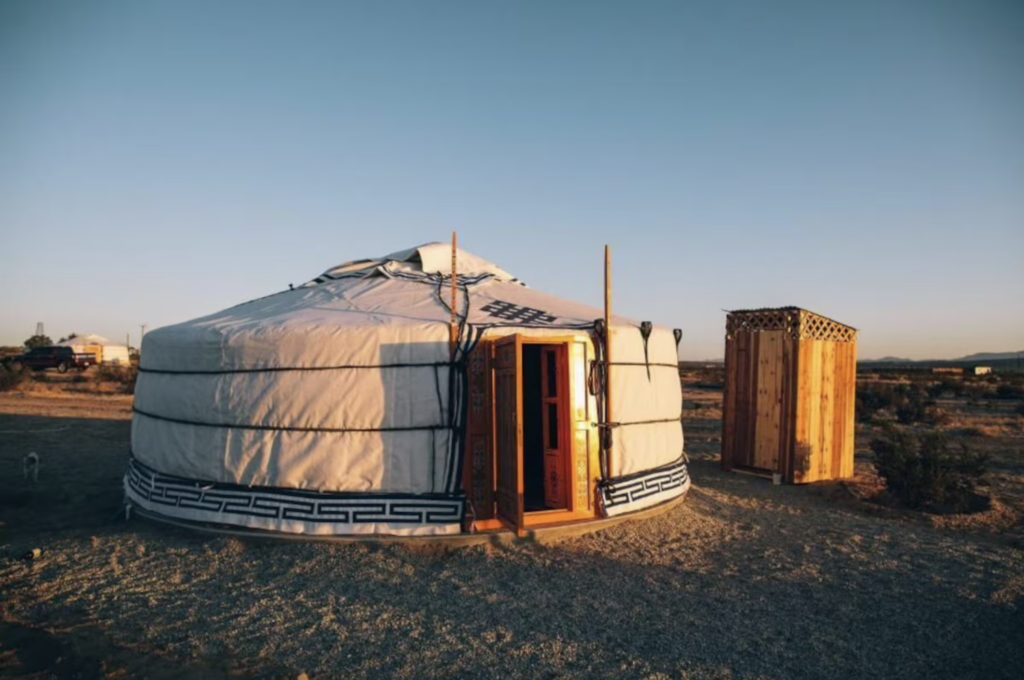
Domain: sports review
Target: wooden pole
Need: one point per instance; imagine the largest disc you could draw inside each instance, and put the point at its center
(453, 328)
(608, 343)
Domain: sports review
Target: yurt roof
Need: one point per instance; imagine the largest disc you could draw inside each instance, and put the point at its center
(430, 258)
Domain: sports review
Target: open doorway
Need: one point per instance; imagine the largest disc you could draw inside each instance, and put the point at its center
(545, 441)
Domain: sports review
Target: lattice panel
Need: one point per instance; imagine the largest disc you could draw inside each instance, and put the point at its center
(763, 320)
(814, 327)
(797, 323)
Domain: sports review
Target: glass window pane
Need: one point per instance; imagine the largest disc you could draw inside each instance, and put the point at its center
(552, 426)
(552, 368)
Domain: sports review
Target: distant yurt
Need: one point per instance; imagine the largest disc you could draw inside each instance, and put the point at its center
(106, 352)
(352, 405)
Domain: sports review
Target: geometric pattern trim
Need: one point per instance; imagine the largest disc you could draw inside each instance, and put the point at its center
(799, 324)
(642, 490)
(508, 311)
(292, 510)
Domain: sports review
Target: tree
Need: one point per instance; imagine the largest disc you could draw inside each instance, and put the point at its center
(70, 337)
(38, 341)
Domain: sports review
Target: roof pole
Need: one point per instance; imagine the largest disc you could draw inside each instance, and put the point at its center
(453, 328)
(608, 345)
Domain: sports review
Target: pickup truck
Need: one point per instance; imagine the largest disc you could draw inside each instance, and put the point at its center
(61, 358)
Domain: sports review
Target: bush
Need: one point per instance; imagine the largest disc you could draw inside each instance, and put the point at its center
(908, 402)
(12, 378)
(1009, 392)
(125, 376)
(926, 472)
(876, 397)
(947, 386)
(979, 390)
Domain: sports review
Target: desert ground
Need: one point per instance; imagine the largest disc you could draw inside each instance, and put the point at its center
(742, 580)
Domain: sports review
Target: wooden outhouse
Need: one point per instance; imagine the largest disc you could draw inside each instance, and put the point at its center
(790, 380)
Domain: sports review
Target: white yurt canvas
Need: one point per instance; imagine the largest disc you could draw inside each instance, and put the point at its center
(337, 407)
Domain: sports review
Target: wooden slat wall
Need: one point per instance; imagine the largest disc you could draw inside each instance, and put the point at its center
(826, 382)
(770, 372)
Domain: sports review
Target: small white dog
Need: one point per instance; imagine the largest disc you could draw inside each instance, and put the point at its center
(30, 466)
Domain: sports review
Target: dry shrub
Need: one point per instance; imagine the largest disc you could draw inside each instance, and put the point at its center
(125, 376)
(1009, 392)
(927, 471)
(12, 378)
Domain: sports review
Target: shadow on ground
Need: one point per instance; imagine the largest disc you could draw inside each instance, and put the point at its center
(742, 580)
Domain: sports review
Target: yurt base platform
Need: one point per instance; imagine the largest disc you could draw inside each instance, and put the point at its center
(543, 534)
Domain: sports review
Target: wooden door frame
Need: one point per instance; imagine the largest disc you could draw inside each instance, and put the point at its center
(566, 426)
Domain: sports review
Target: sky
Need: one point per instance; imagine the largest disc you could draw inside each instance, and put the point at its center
(160, 161)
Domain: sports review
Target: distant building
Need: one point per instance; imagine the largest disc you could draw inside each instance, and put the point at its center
(982, 370)
(954, 370)
(106, 352)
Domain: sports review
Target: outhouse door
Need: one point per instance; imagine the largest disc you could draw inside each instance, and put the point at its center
(508, 432)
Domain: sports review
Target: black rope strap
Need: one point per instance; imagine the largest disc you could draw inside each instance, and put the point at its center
(640, 363)
(279, 369)
(280, 428)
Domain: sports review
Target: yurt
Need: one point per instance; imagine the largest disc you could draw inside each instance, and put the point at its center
(106, 352)
(352, 405)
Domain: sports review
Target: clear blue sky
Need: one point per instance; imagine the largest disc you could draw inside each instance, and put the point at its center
(163, 160)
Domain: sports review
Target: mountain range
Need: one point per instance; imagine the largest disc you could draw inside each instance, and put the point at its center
(970, 358)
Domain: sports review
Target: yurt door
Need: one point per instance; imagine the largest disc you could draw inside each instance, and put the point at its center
(508, 426)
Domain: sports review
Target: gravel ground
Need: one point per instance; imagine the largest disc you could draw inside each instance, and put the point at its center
(742, 580)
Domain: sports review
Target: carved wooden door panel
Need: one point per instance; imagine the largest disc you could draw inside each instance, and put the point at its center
(553, 417)
(508, 426)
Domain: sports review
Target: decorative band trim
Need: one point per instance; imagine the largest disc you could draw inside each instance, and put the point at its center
(642, 489)
(291, 510)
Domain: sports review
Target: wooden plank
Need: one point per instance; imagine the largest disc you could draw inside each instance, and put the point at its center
(849, 416)
(761, 414)
(801, 425)
(729, 405)
(741, 400)
(769, 370)
(775, 403)
(839, 409)
(813, 396)
(751, 421)
(787, 436)
(784, 412)
(828, 381)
